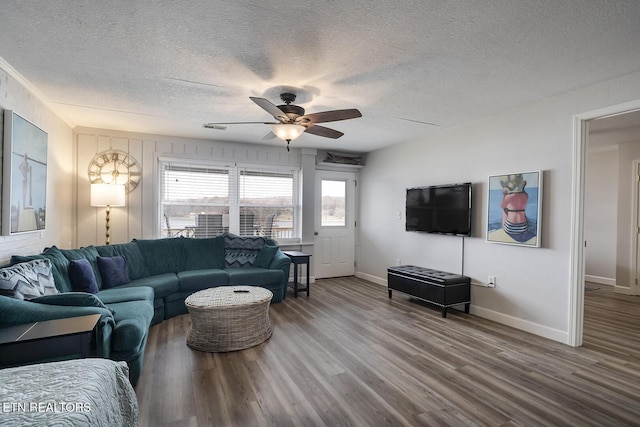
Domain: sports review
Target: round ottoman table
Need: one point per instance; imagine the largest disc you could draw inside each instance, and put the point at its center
(228, 318)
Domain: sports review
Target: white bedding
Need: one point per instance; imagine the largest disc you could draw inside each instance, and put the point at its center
(83, 392)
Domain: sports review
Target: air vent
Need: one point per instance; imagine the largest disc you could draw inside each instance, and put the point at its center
(215, 127)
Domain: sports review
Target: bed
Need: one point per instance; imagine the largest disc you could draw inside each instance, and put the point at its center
(79, 392)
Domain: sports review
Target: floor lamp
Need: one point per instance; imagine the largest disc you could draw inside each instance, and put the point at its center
(107, 195)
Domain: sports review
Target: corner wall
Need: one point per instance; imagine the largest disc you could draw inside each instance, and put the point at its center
(533, 284)
(18, 95)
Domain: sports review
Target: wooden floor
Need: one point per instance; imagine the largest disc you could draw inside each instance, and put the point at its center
(349, 356)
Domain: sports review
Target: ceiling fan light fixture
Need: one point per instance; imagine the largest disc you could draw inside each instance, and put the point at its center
(287, 132)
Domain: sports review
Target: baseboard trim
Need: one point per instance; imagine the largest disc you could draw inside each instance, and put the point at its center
(504, 319)
(607, 281)
(371, 278)
(623, 290)
(521, 324)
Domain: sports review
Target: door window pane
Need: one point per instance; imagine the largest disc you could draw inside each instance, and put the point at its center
(333, 203)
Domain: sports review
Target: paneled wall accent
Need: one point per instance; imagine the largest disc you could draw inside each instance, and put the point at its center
(139, 218)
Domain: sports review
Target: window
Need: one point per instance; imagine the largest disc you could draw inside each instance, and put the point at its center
(333, 203)
(204, 201)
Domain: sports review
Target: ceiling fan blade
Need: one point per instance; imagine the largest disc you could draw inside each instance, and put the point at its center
(333, 115)
(270, 108)
(213, 125)
(324, 131)
(270, 135)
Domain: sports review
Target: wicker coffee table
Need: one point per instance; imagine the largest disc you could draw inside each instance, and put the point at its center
(228, 318)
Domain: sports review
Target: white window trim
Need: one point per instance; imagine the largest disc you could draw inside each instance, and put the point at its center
(233, 190)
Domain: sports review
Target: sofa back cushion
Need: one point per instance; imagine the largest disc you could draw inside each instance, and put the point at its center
(28, 280)
(131, 252)
(202, 254)
(162, 255)
(241, 251)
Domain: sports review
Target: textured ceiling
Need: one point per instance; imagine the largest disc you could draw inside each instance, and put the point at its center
(411, 67)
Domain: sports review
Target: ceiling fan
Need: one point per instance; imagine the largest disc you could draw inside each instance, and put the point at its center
(292, 120)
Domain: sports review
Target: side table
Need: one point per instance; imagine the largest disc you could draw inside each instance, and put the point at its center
(299, 258)
(51, 339)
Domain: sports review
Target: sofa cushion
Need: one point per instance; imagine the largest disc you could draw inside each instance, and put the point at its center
(131, 252)
(28, 280)
(132, 323)
(82, 277)
(124, 294)
(114, 271)
(241, 251)
(162, 255)
(89, 253)
(264, 257)
(201, 254)
(254, 276)
(196, 280)
(162, 284)
(71, 299)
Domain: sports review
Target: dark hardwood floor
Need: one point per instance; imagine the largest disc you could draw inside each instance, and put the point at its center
(349, 356)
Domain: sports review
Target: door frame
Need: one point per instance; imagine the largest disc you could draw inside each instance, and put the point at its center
(577, 251)
(635, 225)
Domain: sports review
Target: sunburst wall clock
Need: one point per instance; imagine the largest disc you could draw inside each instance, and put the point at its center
(115, 167)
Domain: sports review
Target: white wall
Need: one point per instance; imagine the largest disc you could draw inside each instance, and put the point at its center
(16, 94)
(533, 284)
(601, 215)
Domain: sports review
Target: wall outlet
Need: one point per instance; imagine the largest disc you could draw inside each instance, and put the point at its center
(491, 282)
(398, 261)
(399, 215)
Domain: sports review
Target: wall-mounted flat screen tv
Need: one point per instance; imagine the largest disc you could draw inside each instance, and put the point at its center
(441, 209)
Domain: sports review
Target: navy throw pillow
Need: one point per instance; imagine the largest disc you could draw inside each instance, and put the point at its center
(113, 270)
(82, 277)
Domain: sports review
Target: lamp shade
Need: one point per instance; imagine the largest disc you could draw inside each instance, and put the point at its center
(287, 132)
(107, 195)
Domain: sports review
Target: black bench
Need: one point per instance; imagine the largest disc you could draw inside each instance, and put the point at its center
(436, 287)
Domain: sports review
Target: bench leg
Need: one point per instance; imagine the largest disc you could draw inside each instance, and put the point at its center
(444, 311)
(389, 293)
(466, 308)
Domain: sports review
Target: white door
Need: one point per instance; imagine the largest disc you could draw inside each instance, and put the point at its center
(335, 224)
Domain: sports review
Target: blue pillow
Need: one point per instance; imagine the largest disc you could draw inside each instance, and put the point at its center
(82, 277)
(113, 270)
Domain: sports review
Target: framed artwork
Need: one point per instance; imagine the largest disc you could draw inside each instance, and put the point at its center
(24, 186)
(515, 208)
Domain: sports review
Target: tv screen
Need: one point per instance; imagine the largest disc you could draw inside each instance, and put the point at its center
(442, 209)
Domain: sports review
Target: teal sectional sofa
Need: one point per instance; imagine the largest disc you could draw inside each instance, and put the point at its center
(141, 283)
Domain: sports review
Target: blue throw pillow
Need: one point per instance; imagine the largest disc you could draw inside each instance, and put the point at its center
(264, 257)
(82, 277)
(113, 270)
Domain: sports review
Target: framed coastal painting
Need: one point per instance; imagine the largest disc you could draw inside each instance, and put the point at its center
(24, 178)
(515, 208)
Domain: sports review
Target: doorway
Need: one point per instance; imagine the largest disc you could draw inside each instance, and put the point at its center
(576, 300)
(334, 224)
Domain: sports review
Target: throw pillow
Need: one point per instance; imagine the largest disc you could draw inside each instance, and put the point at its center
(82, 276)
(114, 271)
(28, 280)
(264, 257)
